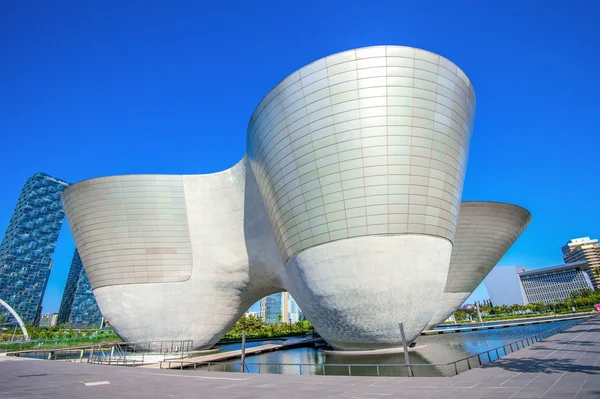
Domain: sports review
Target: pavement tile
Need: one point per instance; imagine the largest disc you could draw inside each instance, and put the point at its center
(500, 393)
(567, 364)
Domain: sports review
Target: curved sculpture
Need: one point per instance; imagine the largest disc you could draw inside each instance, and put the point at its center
(174, 257)
(486, 231)
(17, 317)
(349, 198)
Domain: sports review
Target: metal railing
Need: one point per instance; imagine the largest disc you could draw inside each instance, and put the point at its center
(136, 353)
(118, 353)
(445, 369)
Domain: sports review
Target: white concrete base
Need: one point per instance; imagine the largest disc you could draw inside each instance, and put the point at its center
(356, 291)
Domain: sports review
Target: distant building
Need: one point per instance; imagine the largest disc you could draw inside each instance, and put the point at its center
(271, 308)
(66, 303)
(588, 250)
(252, 314)
(279, 308)
(294, 313)
(555, 283)
(509, 285)
(28, 245)
(504, 285)
(48, 319)
(78, 306)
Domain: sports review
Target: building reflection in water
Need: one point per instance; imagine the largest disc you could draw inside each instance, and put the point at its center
(437, 349)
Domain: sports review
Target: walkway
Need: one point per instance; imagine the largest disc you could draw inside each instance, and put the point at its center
(564, 366)
(228, 355)
(490, 326)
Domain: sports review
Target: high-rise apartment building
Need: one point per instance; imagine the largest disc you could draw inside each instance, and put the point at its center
(271, 308)
(66, 303)
(28, 245)
(78, 306)
(279, 308)
(588, 250)
(48, 319)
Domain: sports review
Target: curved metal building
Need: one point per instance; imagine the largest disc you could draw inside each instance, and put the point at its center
(349, 198)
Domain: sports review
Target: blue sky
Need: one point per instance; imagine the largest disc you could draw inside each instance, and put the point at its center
(89, 89)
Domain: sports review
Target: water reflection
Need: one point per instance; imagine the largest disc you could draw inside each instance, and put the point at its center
(251, 344)
(438, 349)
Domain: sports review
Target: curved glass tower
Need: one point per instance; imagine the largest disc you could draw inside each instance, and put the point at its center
(28, 244)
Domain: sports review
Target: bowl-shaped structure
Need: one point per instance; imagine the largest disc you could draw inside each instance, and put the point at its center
(349, 198)
(486, 230)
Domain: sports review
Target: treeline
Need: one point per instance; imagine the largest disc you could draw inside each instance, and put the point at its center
(255, 327)
(58, 332)
(579, 301)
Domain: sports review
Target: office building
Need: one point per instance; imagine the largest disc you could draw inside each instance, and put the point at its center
(279, 308)
(509, 285)
(294, 313)
(48, 319)
(504, 286)
(554, 284)
(78, 306)
(28, 245)
(272, 305)
(588, 250)
(352, 180)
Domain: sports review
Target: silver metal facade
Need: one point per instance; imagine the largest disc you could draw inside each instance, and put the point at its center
(365, 142)
(130, 229)
(349, 198)
(486, 230)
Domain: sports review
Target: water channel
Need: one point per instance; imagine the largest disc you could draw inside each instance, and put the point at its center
(437, 349)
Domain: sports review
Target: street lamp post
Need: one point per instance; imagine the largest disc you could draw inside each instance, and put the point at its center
(405, 347)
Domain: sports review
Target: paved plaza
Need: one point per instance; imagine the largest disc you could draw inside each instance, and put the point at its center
(564, 366)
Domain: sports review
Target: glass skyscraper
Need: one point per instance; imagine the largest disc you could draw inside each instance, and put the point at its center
(28, 245)
(78, 306)
(270, 308)
(279, 308)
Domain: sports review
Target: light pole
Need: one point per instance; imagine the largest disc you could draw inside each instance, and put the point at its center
(405, 347)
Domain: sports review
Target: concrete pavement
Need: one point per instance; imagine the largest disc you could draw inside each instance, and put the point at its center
(564, 366)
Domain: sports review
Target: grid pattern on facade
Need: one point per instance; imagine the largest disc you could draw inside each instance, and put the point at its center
(78, 306)
(66, 303)
(272, 305)
(131, 229)
(588, 250)
(554, 286)
(368, 141)
(486, 230)
(274, 309)
(28, 245)
(85, 312)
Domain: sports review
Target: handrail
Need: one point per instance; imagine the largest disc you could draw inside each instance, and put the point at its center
(527, 341)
